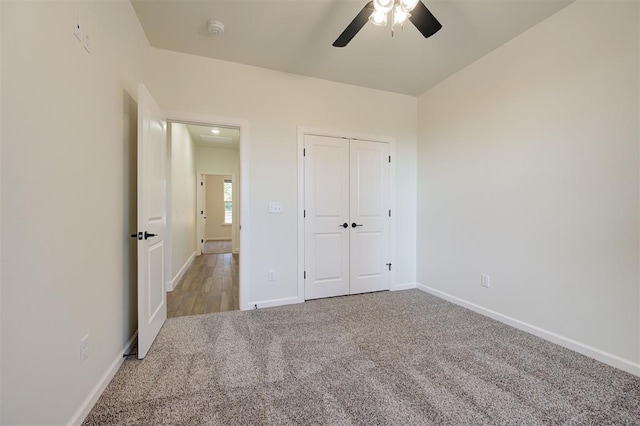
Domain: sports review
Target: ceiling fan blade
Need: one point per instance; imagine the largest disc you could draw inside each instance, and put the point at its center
(355, 26)
(424, 20)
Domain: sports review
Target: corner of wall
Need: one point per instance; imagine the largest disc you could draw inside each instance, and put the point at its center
(638, 160)
(1, 139)
(1, 322)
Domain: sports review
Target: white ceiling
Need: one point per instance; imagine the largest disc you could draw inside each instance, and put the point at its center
(295, 36)
(227, 137)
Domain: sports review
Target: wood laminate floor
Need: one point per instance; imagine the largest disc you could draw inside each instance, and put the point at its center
(210, 285)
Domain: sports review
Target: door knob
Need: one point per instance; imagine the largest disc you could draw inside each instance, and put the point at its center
(353, 225)
(148, 235)
(344, 225)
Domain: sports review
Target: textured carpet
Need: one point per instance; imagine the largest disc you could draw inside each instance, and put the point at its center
(385, 358)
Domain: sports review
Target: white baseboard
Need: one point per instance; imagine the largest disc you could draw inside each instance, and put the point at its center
(273, 302)
(405, 286)
(174, 282)
(85, 408)
(217, 239)
(590, 351)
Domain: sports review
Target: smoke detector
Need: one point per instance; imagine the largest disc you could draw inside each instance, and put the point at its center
(215, 27)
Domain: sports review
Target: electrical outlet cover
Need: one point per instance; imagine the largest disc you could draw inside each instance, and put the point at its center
(485, 280)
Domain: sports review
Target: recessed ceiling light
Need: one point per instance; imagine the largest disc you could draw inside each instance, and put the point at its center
(215, 131)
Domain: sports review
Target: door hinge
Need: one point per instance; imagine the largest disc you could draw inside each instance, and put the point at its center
(389, 158)
(304, 152)
(389, 265)
(201, 211)
(201, 241)
(389, 212)
(304, 213)
(305, 275)
(201, 183)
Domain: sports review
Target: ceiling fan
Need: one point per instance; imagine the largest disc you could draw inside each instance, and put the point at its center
(380, 12)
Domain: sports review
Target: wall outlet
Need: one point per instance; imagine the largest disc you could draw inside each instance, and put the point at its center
(485, 280)
(84, 348)
(272, 275)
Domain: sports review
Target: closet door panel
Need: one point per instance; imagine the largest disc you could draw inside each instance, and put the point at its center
(369, 206)
(326, 194)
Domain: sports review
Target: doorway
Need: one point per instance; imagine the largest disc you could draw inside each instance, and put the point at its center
(210, 178)
(217, 201)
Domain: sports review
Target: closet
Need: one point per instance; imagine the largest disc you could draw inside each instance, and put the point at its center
(347, 216)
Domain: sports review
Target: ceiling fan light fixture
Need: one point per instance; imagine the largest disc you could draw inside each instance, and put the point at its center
(378, 18)
(383, 6)
(408, 5)
(399, 15)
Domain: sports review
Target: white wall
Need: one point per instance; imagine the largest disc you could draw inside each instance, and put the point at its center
(528, 171)
(215, 228)
(274, 104)
(183, 198)
(217, 160)
(223, 161)
(1, 138)
(66, 141)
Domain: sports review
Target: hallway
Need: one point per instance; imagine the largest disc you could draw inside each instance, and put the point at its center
(210, 285)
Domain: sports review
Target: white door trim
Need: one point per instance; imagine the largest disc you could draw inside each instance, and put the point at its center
(243, 125)
(302, 131)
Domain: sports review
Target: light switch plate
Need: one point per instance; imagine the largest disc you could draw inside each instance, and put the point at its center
(275, 207)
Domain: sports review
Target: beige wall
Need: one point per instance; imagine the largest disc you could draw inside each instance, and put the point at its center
(183, 199)
(1, 139)
(274, 105)
(215, 229)
(528, 171)
(65, 196)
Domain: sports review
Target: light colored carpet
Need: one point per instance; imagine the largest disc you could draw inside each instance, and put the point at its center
(385, 358)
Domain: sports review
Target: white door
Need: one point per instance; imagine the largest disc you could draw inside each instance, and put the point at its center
(326, 212)
(201, 207)
(152, 220)
(347, 223)
(369, 194)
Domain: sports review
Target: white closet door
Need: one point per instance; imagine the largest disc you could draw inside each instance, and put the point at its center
(326, 189)
(369, 194)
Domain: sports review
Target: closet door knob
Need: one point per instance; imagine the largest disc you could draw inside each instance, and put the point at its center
(344, 225)
(353, 225)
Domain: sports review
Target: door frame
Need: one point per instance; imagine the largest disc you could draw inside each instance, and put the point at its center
(302, 131)
(244, 222)
(234, 214)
